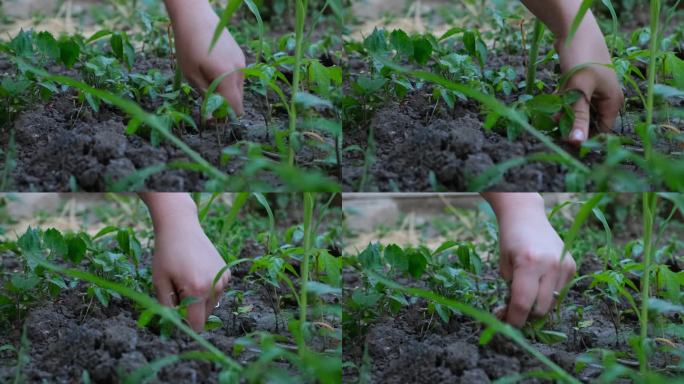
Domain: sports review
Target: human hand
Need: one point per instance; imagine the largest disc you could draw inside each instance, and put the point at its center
(194, 23)
(185, 262)
(597, 83)
(530, 256)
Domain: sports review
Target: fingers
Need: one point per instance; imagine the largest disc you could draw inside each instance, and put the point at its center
(545, 299)
(524, 291)
(197, 315)
(231, 88)
(609, 110)
(567, 272)
(165, 292)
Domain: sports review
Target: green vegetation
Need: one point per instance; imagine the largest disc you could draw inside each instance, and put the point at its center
(282, 269)
(632, 281)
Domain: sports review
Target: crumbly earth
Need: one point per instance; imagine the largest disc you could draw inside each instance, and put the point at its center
(62, 144)
(414, 137)
(412, 347)
(72, 334)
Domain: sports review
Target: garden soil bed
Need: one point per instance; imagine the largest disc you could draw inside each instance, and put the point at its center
(72, 334)
(414, 138)
(415, 348)
(61, 145)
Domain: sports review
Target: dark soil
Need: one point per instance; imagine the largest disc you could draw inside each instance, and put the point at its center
(63, 145)
(73, 334)
(412, 347)
(414, 137)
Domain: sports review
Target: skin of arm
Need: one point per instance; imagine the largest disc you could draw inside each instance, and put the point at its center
(194, 23)
(185, 262)
(530, 255)
(597, 83)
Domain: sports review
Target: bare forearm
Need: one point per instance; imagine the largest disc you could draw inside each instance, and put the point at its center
(175, 8)
(558, 15)
(506, 204)
(168, 209)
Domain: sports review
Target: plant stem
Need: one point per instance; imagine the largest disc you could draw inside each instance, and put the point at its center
(534, 55)
(301, 6)
(653, 59)
(304, 271)
(649, 208)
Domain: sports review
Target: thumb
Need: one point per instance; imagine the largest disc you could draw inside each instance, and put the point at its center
(584, 83)
(580, 128)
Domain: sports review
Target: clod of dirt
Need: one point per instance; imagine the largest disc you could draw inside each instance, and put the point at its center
(477, 163)
(499, 366)
(119, 339)
(109, 143)
(461, 356)
(476, 375)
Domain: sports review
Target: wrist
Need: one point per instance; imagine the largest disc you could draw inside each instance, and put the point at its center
(171, 210)
(514, 205)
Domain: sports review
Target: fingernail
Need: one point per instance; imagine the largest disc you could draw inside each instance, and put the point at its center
(577, 135)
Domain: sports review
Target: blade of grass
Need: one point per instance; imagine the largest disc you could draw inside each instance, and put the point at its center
(484, 317)
(301, 9)
(308, 215)
(653, 59)
(649, 202)
(537, 37)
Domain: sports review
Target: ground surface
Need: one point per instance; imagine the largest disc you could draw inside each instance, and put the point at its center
(416, 137)
(72, 334)
(418, 348)
(414, 345)
(62, 144)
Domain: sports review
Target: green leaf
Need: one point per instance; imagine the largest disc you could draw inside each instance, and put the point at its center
(401, 41)
(308, 100)
(77, 249)
(552, 337)
(548, 104)
(22, 45)
(21, 283)
(376, 42)
(396, 257)
(29, 243)
(116, 41)
(47, 45)
(662, 306)
(213, 322)
(69, 52)
(365, 300)
(417, 263)
(55, 242)
(213, 103)
(422, 50)
(667, 91)
(320, 289)
(370, 257)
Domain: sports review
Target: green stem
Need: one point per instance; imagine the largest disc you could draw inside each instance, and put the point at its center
(304, 272)
(534, 55)
(653, 59)
(299, 38)
(649, 207)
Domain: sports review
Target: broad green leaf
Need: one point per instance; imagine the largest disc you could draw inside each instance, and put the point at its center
(396, 257)
(69, 52)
